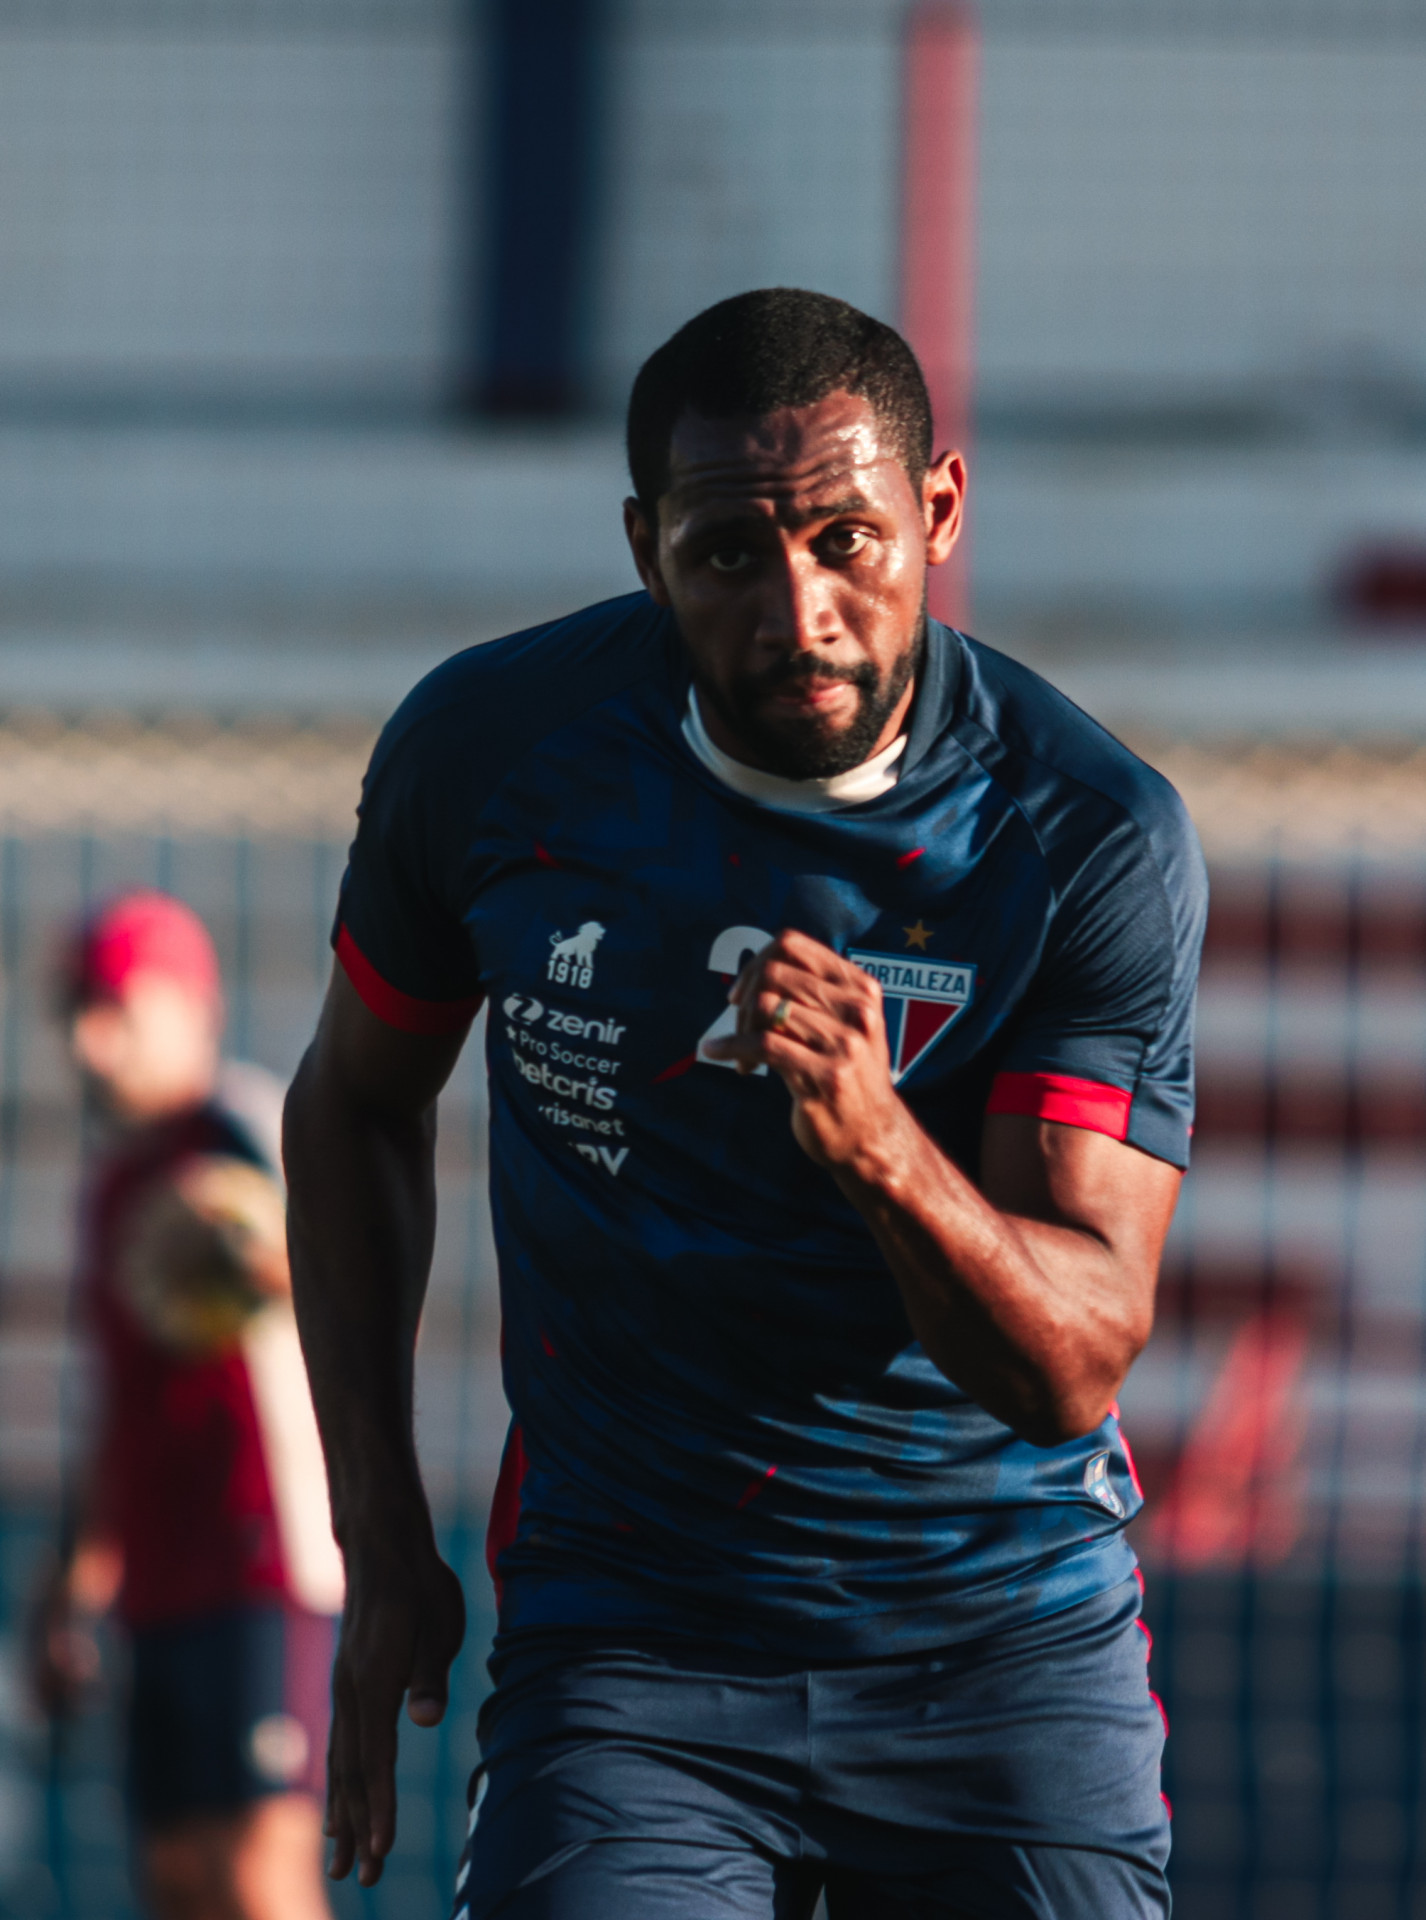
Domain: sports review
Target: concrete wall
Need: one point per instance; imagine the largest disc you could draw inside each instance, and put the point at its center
(1171, 218)
(1201, 287)
(1178, 204)
(747, 147)
(230, 202)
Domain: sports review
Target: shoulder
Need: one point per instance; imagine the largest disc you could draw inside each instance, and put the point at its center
(1075, 783)
(493, 702)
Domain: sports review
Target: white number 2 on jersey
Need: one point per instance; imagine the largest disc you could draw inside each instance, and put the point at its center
(732, 950)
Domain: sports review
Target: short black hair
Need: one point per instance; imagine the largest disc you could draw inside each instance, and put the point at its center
(772, 348)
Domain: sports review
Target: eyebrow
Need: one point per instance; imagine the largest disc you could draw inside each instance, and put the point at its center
(736, 518)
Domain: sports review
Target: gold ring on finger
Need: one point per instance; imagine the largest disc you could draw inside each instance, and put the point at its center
(780, 1013)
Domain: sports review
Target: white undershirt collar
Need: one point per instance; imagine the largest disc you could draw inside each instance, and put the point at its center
(869, 781)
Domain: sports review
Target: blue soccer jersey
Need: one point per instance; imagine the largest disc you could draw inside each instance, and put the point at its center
(722, 1424)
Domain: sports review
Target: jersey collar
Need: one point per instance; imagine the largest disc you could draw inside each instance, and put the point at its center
(869, 781)
(937, 687)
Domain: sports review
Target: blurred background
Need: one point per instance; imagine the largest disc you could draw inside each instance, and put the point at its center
(316, 320)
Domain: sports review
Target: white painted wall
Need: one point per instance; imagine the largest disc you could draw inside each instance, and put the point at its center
(269, 210)
(745, 150)
(266, 199)
(1180, 216)
(275, 198)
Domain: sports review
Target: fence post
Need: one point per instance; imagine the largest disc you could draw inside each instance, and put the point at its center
(941, 87)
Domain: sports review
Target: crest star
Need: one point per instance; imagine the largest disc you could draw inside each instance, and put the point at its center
(917, 936)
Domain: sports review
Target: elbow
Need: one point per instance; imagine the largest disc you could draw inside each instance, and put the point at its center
(1058, 1381)
(1062, 1407)
(1058, 1426)
(1048, 1407)
(1045, 1410)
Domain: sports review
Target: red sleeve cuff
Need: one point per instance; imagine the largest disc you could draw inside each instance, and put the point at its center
(1057, 1096)
(398, 1009)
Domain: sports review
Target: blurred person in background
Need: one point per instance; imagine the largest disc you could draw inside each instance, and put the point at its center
(199, 1512)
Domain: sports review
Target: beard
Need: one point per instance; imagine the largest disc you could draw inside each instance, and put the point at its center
(806, 748)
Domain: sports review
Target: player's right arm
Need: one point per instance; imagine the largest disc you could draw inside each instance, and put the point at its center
(359, 1141)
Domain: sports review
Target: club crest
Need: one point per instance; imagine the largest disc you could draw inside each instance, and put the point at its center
(922, 999)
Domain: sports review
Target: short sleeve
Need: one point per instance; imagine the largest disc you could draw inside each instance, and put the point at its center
(398, 935)
(1104, 1037)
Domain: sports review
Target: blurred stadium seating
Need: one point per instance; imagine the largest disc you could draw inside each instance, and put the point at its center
(248, 254)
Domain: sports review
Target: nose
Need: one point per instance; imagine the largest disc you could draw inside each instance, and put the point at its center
(797, 608)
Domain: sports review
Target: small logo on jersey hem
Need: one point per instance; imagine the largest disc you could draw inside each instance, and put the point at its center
(1098, 1486)
(922, 1000)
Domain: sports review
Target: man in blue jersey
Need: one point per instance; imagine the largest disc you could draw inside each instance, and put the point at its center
(839, 977)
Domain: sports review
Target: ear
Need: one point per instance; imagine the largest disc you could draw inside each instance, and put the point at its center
(643, 542)
(943, 496)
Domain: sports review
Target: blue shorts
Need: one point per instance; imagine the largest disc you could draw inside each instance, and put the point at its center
(1003, 1778)
(226, 1709)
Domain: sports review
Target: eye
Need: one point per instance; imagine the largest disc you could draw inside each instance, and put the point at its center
(729, 559)
(845, 542)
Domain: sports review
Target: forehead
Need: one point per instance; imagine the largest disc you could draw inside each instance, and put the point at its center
(838, 443)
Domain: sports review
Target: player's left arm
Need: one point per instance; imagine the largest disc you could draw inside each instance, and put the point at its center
(1033, 1291)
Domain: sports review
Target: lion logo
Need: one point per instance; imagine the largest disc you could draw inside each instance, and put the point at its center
(572, 955)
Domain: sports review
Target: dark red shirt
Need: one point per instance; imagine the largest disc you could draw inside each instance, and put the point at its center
(183, 1478)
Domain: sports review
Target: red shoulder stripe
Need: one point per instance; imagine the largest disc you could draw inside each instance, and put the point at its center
(398, 1009)
(1058, 1096)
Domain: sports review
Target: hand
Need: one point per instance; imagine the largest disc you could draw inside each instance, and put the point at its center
(244, 1214)
(203, 1252)
(402, 1627)
(63, 1652)
(816, 1020)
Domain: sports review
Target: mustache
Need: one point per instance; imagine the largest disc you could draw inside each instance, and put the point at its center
(798, 670)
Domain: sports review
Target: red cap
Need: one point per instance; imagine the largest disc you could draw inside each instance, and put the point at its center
(142, 933)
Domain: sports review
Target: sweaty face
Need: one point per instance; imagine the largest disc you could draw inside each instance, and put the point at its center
(784, 718)
(792, 549)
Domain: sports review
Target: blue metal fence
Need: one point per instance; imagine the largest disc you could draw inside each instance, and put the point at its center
(1279, 1414)
(1282, 1410)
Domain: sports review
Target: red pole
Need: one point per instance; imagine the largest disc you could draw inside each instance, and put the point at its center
(938, 239)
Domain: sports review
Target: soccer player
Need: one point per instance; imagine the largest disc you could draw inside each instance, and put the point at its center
(202, 1508)
(839, 977)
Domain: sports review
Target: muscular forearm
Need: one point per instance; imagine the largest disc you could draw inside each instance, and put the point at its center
(361, 1224)
(359, 1145)
(1031, 1318)
(1033, 1292)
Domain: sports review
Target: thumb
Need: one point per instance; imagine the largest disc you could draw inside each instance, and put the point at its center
(430, 1687)
(431, 1658)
